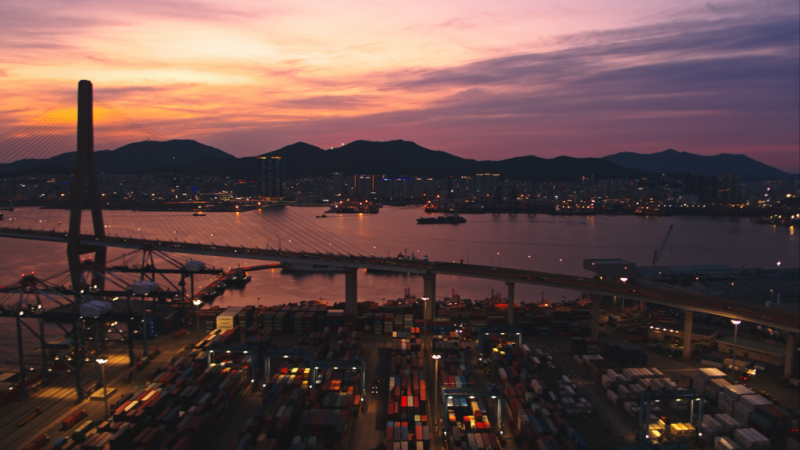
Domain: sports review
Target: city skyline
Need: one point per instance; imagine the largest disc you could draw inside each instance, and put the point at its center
(576, 80)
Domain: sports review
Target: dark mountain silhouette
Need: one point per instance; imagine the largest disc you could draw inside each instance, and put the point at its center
(672, 161)
(399, 158)
(391, 158)
(137, 157)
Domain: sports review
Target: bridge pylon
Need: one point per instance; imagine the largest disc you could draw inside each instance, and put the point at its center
(85, 181)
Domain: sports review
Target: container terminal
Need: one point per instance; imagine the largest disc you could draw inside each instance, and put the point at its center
(299, 377)
(140, 365)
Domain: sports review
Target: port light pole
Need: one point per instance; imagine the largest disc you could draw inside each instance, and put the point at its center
(425, 320)
(735, 334)
(436, 359)
(102, 360)
(197, 304)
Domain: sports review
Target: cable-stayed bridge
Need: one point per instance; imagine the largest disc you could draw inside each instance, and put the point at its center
(280, 237)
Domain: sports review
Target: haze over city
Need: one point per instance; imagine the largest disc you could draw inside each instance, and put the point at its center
(479, 80)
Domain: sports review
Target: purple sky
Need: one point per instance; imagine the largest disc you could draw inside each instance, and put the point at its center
(480, 80)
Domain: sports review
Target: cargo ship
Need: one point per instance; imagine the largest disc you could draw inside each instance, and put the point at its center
(452, 219)
(354, 207)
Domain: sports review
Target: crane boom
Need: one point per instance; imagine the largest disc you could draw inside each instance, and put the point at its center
(660, 251)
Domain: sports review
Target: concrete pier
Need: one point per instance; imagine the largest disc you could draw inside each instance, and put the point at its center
(687, 334)
(511, 289)
(596, 316)
(351, 293)
(789, 360)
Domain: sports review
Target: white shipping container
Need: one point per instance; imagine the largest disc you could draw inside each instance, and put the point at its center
(743, 438)
(725, 443)
(751, 401)
(710, 421)
(725, 403)
(708, 373)
(734, 391)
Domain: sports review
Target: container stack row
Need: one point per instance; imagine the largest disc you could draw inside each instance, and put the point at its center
(180, 408)
(407, 427)
(467, 421)
(741, 406)
(539, 396)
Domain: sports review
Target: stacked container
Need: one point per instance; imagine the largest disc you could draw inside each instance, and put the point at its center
(407, 425)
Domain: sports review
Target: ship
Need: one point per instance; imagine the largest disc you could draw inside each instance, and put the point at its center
(452, 219)
(237, 278)
(354, 207)
(199, 213)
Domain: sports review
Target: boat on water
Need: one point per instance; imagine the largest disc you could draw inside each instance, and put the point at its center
(238, 278)
(322, 216)
(451, 219)
(354, 207)
(199, 213)
(307, 267)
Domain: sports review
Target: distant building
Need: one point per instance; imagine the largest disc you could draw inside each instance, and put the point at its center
(705, 187)
(270, 176)
(486, 184)
(337, 187)
(730, 192)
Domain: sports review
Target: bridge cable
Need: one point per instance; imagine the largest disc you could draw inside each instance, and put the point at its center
(34, 125)
(42, 138)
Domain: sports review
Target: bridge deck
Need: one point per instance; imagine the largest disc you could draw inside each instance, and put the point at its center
(761, 315)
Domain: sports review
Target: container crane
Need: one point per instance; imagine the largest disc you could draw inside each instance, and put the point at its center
(660, 251)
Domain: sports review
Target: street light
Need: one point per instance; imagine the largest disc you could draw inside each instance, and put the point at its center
(102, 360)
(425, 320)
(436, 359)
(562, 265)
(197, 303)
(735, 323)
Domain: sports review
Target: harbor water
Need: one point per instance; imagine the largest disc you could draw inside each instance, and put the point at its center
(556, 244)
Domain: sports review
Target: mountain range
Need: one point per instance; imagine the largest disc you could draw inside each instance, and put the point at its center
(392, 158)
(673, 161)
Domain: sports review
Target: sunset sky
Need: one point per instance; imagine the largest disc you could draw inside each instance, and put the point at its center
(484, 80)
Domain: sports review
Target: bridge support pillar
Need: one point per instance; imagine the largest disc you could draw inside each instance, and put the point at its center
(596, 316)
(351, 294)
(687, 334)
(85, 173)
(790, 349)
(429, 291)
(511, 289)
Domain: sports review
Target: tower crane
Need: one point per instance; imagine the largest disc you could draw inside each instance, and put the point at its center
(660, 251)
